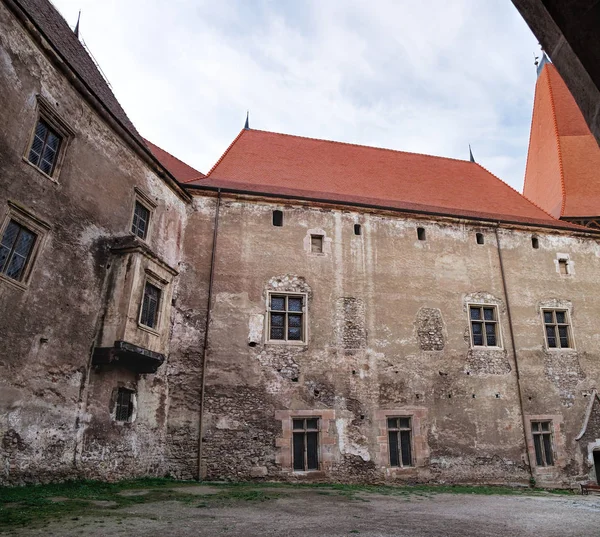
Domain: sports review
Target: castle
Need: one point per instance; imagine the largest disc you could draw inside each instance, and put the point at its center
(308, 310)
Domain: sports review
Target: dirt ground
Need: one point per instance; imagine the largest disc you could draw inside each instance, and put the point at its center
(301, 512)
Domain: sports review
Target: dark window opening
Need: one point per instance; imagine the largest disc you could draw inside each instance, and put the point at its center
(43, 153)
(150, 304)
(124, 405)
(484, 326)
(479, 238)
(542, 442)
(286, 317)
(316, 244)
(400, 442)
(141, 219)
(15, 249)
(306, 444)
(357, 229)
(563, 266)
(557, 329)
(421, 233)
(278, 218)
(535, 243)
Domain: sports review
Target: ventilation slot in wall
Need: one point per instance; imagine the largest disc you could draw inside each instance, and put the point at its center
(479, 238)
(535, 243)
(421, 233)
(278, 218)
(357, 229)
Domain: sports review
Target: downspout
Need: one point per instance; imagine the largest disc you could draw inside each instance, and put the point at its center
(205, 346)
(514, 348)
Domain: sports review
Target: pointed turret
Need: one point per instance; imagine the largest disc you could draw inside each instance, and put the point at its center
(471, 157)
(563, 162)
(76, 30)
(247, 124)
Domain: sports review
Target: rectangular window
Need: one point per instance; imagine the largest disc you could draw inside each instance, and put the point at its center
(400, 441)
(306, 443)
(563, 266)
(15, 250)
(141, 219)
(286, 317)
(45, 146)
(316, 244)
(484, 326)
(542, 442)
(124, 405)
(150, 305)
(557, 329)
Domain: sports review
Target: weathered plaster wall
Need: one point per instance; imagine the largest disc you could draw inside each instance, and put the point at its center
(388, 330)
(50, 402)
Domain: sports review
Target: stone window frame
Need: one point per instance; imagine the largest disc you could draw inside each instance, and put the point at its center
(498, 322)
(562, 305)
(113, 405)
(153, 279)
(268, 340)
(569, 265)
(307, 242)
(558, 447)
(146, 201)
(46, 112)
(27, 219)
(420, 448)
(327, 442)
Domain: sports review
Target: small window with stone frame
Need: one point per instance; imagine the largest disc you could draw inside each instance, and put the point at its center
(541, 432)
(305, 448)
(45, 147)
(557, 329)
(150, 307)
(400, 441)
(124, 405)
(16, 246)
(141, 220)
(484, 326)
(316, 244)
(286, 317)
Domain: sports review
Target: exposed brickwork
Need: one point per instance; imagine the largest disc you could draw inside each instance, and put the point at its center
(430, 329)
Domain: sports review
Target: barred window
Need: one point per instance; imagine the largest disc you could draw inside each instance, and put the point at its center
(124, 405)
(400, 441)
(45, 146)
(15, 250)
(141, 219)
(484, 326)
(150, 305)
(557, 329)
(306, 443)
(542, 442)
(286, 317)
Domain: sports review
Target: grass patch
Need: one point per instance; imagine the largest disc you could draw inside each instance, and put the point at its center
(39, 504)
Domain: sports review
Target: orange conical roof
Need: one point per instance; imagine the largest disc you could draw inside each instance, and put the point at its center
(563, 163)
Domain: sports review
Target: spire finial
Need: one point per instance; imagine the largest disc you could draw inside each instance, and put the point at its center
(247, 125)
(540, 65)
(76, 30)
(471, 158)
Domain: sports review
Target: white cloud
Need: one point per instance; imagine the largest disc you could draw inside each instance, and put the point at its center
(426, 77)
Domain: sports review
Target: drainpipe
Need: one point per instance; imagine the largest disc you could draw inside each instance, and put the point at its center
(514, 348)
(205, 346)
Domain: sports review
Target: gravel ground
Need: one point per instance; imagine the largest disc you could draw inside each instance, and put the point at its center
(309, 512)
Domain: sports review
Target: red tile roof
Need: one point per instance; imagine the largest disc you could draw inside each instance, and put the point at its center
(563, 163)
(178, 169)
(267, 162)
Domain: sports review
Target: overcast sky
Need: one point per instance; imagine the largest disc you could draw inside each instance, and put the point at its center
(428, 77)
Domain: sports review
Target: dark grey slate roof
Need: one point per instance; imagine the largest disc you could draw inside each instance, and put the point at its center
(55, 29)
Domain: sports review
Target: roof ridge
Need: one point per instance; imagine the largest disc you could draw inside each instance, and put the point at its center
(173, 156)
(517, 192)
(353, 145)
(226, 151)
(557, 136)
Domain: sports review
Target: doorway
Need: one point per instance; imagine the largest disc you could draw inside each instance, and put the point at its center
(596, 454)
